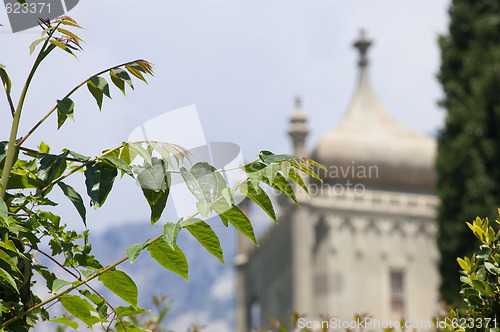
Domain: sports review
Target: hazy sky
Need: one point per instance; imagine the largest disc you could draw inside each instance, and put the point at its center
(241, 62)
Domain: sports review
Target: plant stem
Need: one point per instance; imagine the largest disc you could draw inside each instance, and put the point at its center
(55, 297)
(109, 267)
(79, 279)
(67, 96)
(235, 168)
(12, 149)
(43, 153)
(62, 177)
(9, 99)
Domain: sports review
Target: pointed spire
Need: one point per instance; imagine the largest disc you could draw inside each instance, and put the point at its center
(298, 128)
(362, 44)
(365, 109)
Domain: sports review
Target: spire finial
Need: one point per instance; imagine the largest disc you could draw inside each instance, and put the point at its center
(298, 102)
(362, 44)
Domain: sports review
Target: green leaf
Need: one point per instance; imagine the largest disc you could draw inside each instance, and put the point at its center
(3, 152)
(190, 221)
(285, 168)
(143, 66)
(129, 327)
(463, 264)
(259, 197)
(69, 33)
(5, 79)
(136, 71)
(7, 277)
(119, 77)
(9, 260)
(65, 110)
(65, 321)
(121, 284)
(118, 163)
(298, 180)
(313, 163)
(237, 218)
(268, 157)
(35, 43)
(4, 211)
(78, 156)
(492, 268)
(157, 200)
(96, 92)
(228, 195)
(164, 153)
(99, 178)
(97, 87)
(479, 285)
(271, 172)
(202, 182)
(79, 308)
(154, 175)
(51, 167)
(20, 179)
(57, 284)
(128, 311)
(88, 261)
(207, 237)
(66, 20)
(75, 198)
(167, 149)
(87, 273)
(43, 147)
(9, 245)
(139, 150)
(155, 185)
(281, 184)
(91, 296)
(61, 46)
(301, 167)
(170, 232)
(133, 251)
(255, 172)
(171, 259)
(203, 209)
(127, 155)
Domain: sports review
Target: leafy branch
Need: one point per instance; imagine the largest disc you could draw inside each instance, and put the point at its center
(9, 160)
(27, 181)
(170, 234)
(65, 106)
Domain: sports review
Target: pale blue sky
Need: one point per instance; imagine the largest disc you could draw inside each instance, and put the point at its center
(240, 62)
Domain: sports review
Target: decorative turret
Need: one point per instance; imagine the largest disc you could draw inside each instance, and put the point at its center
(368, 137)
(298, 128)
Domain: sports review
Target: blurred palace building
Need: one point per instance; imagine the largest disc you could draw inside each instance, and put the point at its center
(364, 242)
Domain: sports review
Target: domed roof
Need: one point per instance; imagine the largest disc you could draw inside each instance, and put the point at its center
(370, 147)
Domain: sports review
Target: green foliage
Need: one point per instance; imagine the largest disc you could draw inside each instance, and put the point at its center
(28, 176)
(480, 283)
(468, 159)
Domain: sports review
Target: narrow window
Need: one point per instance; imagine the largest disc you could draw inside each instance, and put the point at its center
(320, 233)
(397, 295)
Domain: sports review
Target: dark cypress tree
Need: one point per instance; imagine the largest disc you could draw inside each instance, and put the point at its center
(468, 162)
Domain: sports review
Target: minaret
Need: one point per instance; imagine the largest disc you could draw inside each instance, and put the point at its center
(240, 263)
(298, 129)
